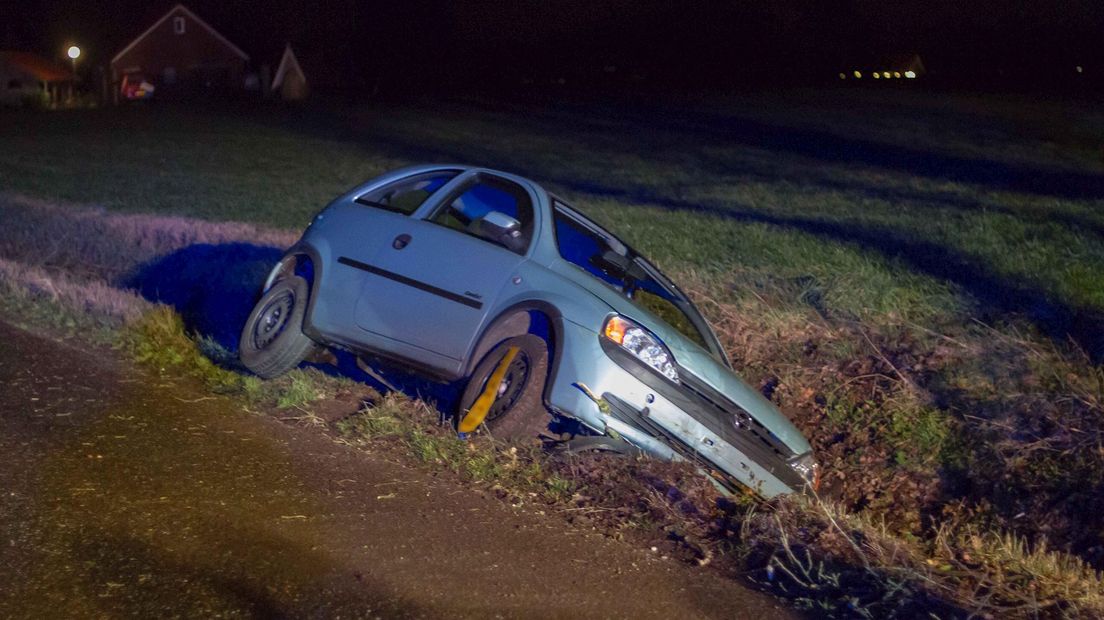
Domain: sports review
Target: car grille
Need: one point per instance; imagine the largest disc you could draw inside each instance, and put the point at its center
(741, 420)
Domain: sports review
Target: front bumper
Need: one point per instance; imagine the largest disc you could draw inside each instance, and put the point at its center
(689, 421)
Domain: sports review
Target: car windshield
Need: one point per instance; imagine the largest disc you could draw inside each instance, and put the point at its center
(589, 247)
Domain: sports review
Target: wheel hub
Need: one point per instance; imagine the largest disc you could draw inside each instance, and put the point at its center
(511, 387)
(273, 319)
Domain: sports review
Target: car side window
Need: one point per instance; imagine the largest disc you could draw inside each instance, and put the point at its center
(467, 212)
(582, 247)
(406, 195)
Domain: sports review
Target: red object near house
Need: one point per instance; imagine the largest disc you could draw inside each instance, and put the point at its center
(183, 57)
(135, 87)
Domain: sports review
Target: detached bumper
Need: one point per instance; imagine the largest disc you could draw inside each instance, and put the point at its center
(683, 422)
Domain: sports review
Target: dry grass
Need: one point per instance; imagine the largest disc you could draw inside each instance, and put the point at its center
(838, 562)
(112, 306)
(515, 472)
(96, 244)
(952, 456)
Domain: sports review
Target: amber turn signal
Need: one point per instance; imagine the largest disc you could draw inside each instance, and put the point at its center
(616, 328)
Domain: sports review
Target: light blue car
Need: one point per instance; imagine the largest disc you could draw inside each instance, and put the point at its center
(463, 273)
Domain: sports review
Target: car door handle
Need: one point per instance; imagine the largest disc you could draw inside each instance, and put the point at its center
(400, 242)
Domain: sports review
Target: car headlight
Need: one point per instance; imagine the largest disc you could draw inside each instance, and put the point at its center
(806, 466)
(642, 344)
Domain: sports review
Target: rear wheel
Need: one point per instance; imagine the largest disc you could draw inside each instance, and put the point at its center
(272, 341)
(517, 411)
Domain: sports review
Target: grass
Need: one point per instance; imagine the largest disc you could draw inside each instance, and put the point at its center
(918, 281)
(747, 203)
(517, 471)
(160, 340)
(251, 171)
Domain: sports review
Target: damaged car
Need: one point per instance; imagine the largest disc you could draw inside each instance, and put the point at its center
(470, 275)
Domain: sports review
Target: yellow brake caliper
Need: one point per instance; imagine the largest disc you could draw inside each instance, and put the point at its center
(482, 405)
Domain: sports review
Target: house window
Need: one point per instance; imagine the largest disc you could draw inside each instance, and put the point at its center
(178, 25)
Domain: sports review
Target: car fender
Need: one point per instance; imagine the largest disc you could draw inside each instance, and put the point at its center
(284, 266)
(575, 315)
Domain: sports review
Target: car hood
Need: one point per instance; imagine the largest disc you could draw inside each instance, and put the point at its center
(697, 361)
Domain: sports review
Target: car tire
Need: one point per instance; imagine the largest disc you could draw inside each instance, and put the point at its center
(272, 341)
(518, 413)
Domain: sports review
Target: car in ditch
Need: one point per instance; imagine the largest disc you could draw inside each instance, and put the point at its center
(465, 274)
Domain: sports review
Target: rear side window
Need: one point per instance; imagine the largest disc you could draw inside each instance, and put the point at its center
(406, 195)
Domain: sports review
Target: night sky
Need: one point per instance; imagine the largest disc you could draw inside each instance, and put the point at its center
(491, 39)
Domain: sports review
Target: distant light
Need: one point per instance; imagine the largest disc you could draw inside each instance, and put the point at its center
(1080, 69)
(858, 75)
(885, 74)
(910, 74)
(74, 52)
(843, 76)
(877, 75)
(897, 74)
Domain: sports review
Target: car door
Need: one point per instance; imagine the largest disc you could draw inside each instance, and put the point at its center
(437, 280)
(354, 232)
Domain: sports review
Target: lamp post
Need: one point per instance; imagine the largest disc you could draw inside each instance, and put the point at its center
(74, 54)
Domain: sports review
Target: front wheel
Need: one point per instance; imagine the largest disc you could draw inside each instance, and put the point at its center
(506, 389)
(272, 342)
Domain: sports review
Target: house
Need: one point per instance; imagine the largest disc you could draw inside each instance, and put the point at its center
(29, 79)
(290, 81)
(184, 57)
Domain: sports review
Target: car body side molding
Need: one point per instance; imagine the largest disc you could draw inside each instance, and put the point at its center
(418, 284)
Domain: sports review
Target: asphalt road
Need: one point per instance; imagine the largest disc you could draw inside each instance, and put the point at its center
(129, 495)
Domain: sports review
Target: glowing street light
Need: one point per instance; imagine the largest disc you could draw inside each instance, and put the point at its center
(74, 53)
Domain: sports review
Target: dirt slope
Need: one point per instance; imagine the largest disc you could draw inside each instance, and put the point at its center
(129, 495)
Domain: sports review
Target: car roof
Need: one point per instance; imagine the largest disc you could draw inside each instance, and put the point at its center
(463, 168)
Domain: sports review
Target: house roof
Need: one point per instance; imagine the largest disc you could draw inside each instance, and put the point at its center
(288, 63)
(180, 7)
(42, 69)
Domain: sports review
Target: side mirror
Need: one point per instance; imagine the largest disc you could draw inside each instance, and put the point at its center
(499, 228)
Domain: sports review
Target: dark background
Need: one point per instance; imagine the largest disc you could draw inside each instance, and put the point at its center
(464, 44)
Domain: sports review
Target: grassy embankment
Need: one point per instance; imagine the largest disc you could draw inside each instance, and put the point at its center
(917, 282)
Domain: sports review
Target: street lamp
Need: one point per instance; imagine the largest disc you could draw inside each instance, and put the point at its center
(74, 53)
